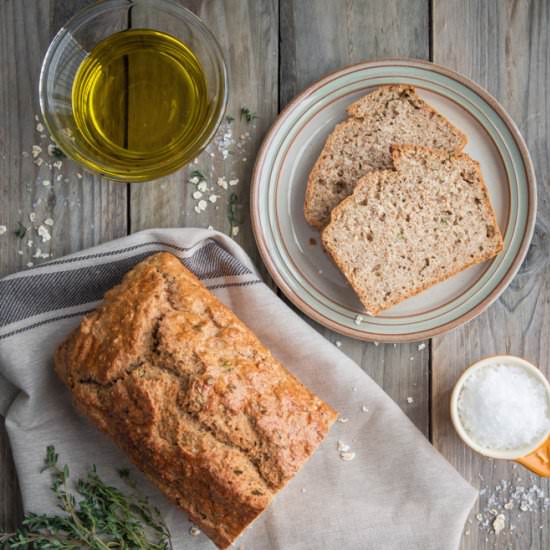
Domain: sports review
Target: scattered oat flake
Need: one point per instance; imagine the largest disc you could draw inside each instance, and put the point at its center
(342, 447)
(376, 344)
(233, 182)
(358, 319)
(499, 523)
(365, 409)
(59, 177)
(32, 217)
(197, 195)
(509, 505)
(57, 164)
(79, 175)
(213, 198)
(36, 150)
(194, 531)
(39, 254)
(39, 127)
(29, 244)
(211, 228)
(354, 388)
(343, 419)
(338, 344)
(202, 204)
(194, 180)
(222, 182)
(347, 456)
(197, 210)
(48, 221)
(304, 490)
(46, 183)
(234, 230)
(410, 400)
(422, 346)
(202, 186)
(30, 264)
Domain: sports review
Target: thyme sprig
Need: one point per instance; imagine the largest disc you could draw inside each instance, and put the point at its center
(248, 115)
(234, 211)
(94, 515)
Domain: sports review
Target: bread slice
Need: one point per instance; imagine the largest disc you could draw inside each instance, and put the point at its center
(404, 230)
(361, 144)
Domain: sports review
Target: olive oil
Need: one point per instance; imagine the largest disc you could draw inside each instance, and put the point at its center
(140, 104)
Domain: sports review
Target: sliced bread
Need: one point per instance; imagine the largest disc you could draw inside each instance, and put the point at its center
(360, 144)
(404, 230)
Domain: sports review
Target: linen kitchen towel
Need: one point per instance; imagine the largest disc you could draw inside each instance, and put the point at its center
(397, 492)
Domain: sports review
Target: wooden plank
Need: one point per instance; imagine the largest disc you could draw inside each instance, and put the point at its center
(85, 210)
(504, 47)
(318, 37)
(248, 35)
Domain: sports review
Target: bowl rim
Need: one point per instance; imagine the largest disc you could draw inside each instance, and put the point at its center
(93, 10)
(507, 360)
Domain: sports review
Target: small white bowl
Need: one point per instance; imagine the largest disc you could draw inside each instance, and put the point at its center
(508, 360)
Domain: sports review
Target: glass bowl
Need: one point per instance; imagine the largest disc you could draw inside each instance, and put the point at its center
(74, 42)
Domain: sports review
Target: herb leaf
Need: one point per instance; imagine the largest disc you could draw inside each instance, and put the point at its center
(247, 115)
(95, 515)
(21, 231)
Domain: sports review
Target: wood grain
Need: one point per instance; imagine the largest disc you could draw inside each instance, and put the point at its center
(317, 37)
(504, 47)
(85, 210)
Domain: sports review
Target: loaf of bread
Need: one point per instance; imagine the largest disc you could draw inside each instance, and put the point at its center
(360, 144)
(404, 230)
(192, 396)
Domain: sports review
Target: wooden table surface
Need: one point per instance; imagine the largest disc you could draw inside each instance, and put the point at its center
(274, 49)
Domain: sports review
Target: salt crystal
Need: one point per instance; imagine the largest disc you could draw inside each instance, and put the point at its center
(3, 229)
(338, 344)
(499, 523)
(194, 531)
(44, 234)
(234, 230)
(365, 409)
(30, 264)
(304, 490)
(343, 419)
(358, 320)
(504, 407)
(410, 400)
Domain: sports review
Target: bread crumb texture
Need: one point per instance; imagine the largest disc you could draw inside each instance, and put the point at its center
(405, 230)
(192, 396)
(361, 144)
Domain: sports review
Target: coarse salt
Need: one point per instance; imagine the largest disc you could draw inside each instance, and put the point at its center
(504, 407)
(342, 447)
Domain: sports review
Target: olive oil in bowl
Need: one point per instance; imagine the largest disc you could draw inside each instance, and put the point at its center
(140, 105)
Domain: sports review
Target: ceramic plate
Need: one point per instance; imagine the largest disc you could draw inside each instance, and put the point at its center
(291, 248)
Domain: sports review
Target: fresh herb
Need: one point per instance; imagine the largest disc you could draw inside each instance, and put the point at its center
(197, 174)
(234, 210)
(247, 115)
(57, 152)
(95, 516)
(21, 231)
(229, 119)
